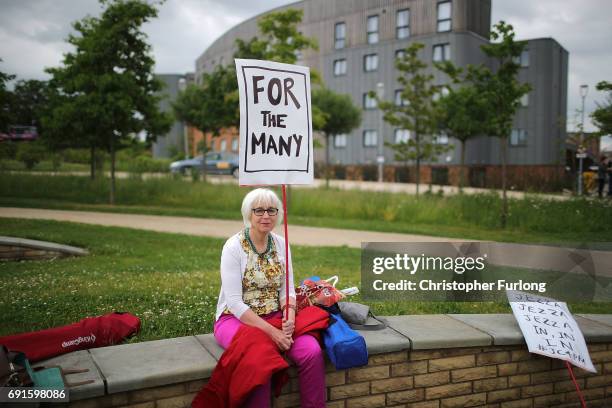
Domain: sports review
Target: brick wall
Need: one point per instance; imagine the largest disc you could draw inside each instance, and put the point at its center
(214, 143)
(492, 377)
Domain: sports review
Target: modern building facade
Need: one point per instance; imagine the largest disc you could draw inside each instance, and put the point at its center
(359, 41)
(176, 139)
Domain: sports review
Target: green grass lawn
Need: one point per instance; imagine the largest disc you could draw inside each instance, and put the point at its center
(47, 165)
(170, 281)
(532, 219)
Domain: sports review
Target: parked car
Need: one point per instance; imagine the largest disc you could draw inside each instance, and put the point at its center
(216, 163)
(18, 133)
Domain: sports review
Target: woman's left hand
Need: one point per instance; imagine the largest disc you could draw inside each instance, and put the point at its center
(288, 326)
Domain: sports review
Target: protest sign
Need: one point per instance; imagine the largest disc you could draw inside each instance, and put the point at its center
(550, 329)
(275, 123)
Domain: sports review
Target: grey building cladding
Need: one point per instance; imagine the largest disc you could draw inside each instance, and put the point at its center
(358, 43)
(174, 140)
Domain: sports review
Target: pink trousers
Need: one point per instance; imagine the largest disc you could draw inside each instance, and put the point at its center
(305, 353)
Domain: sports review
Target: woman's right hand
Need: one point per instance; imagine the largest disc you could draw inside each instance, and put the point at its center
(283, 342)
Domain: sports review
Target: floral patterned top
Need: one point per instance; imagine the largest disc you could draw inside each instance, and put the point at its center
(263, 276)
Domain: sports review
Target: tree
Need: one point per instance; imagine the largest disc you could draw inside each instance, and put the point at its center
(211, 107)
(281, 41)
(501, 91)
(416, 113)
(602, 116)
(5, 101)
(341, 116)
(107, 85)
(30, 99)
(67, 126)
(460, 115)
(29, 104)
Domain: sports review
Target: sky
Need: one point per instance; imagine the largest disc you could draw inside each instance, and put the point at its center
(33, 34)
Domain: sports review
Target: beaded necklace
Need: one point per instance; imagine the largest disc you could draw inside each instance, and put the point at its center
(268, 247)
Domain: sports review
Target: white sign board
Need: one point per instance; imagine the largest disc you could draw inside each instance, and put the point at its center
(275, 123)
(550, 329)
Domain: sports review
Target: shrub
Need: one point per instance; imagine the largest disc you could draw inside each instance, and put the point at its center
(8, 150)
(81, 156)
(147, 164)
(31, 153)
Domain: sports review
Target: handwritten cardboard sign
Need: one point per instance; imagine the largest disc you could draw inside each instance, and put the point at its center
(550, 329)
(275, 123)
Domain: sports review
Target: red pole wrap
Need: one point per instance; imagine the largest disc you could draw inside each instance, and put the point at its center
(569, 367)
(286, 253)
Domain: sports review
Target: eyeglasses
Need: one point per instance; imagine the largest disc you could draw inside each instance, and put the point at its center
(260, 211)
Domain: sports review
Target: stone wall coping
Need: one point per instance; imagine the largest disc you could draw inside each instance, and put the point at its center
(42, 245)
(135, 366)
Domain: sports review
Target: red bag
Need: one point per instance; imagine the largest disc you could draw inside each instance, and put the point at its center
(88, 333)
(318, 292)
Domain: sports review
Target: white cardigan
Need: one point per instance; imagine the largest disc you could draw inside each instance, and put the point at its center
(233, 265)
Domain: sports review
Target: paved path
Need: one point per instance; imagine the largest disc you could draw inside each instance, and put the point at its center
(217, 228)
(507, 254)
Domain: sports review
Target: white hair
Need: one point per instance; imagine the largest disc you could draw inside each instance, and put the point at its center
(260, 197)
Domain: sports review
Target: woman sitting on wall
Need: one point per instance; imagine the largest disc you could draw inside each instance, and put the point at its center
(253, 292)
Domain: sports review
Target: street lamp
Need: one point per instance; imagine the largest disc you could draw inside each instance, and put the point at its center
(380, 159)
(584, 90)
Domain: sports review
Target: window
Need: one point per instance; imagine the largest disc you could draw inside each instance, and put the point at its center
(400, 54)
(525, 100)
(439, 175)
(339, 67)
(369, 102)
(402, 24)
(340, 141)
(213, 156)
(518, 137)
(340, 35)
(234, 145)
(372, 28)
(370, 138)
(441, 139)
(441, 52)
(370, 62)
(223, 145)
(399, 101)
(444, 16)
(402, 136)
(523, 59)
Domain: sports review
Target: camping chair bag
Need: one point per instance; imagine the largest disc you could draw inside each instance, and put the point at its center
(344, 346)
(89, 333)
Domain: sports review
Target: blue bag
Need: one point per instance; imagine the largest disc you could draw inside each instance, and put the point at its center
(345, 347)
